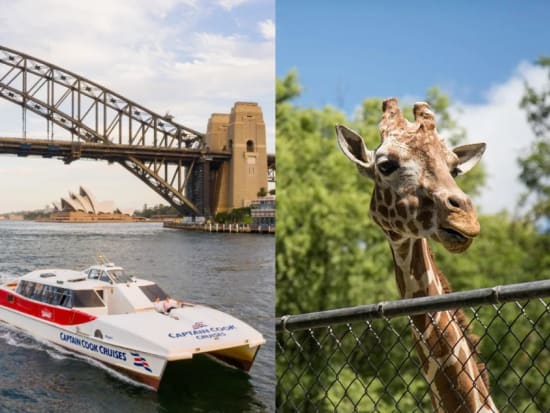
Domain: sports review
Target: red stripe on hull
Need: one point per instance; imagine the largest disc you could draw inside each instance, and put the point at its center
(54, 314)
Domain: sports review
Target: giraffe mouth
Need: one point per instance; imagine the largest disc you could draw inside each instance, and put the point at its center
(455, 234)
(453, 240)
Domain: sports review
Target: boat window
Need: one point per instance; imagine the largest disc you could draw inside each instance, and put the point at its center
(93, 274)
(22, 288)
(120, 276)
(66, 299)
(57, 295)
(37, 292)
(47, 294)
(153, 291)
(26, 288)
(86, 298)
(104, 277)
(30, 289)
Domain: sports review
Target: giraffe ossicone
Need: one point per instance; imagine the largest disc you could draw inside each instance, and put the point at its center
(416, 198)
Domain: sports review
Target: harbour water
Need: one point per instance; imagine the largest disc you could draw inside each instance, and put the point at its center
(230, 272)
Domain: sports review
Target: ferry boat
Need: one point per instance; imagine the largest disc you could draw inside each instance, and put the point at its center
(127, 323)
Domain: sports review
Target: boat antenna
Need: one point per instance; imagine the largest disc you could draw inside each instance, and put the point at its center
(102, 259)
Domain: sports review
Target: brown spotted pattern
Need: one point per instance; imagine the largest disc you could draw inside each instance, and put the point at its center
(421, 200)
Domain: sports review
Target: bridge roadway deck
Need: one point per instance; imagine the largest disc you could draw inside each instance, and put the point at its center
(72, 150)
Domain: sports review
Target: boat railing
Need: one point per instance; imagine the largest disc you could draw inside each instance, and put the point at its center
(9, 280)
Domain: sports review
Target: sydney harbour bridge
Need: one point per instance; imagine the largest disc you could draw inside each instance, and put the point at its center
(197, 173)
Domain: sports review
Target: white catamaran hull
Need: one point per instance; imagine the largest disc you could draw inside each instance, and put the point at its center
(143, 367)
(139, 342)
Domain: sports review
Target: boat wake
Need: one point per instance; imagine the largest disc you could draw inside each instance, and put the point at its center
(20, 339)
(17, 338)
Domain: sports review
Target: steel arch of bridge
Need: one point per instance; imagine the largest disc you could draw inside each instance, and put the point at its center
(170, 158)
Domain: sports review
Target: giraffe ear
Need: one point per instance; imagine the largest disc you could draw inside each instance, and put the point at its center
(353, 146)
(468, 156)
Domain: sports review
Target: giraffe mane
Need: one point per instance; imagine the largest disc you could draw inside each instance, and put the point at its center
(471, 338)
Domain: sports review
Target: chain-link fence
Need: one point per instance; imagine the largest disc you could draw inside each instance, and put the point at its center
(364, 358)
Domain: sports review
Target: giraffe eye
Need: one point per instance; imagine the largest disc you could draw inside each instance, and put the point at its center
(388, 167)
(455, 172)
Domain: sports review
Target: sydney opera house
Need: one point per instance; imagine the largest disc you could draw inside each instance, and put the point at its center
(83, 201)
(83, 207)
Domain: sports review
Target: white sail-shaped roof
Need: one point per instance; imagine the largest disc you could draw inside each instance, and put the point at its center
(83, 201)
(77, 201)
(68, 204)
(86, 194)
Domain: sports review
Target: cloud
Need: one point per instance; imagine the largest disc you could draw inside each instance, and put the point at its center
(267, 29)
(162, 59)
(182, 56)
(502, 124)
(152, 56)
(230, 4)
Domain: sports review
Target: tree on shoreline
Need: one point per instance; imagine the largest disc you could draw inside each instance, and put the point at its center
(159, 209)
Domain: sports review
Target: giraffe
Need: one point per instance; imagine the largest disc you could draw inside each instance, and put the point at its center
(415, 198)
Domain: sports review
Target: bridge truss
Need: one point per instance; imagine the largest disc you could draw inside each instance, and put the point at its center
(170, 158)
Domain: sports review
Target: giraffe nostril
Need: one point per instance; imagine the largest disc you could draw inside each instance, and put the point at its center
(454, 202)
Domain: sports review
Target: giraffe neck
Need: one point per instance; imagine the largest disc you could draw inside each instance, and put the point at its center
(448, 362)
(415, 271)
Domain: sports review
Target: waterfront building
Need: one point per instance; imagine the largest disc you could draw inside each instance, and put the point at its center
(262, 211)
(83, 201)
(83, 207)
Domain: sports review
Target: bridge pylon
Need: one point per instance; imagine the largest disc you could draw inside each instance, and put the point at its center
(242, 132)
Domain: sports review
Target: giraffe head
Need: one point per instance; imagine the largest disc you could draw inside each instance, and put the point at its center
(415, 194)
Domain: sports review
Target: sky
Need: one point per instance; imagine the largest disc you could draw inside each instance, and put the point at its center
(479, 53)
(191, 58)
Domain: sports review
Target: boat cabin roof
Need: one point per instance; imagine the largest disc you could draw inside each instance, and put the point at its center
(92, 277)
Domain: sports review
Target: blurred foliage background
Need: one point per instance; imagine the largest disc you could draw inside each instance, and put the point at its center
(330, 254)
